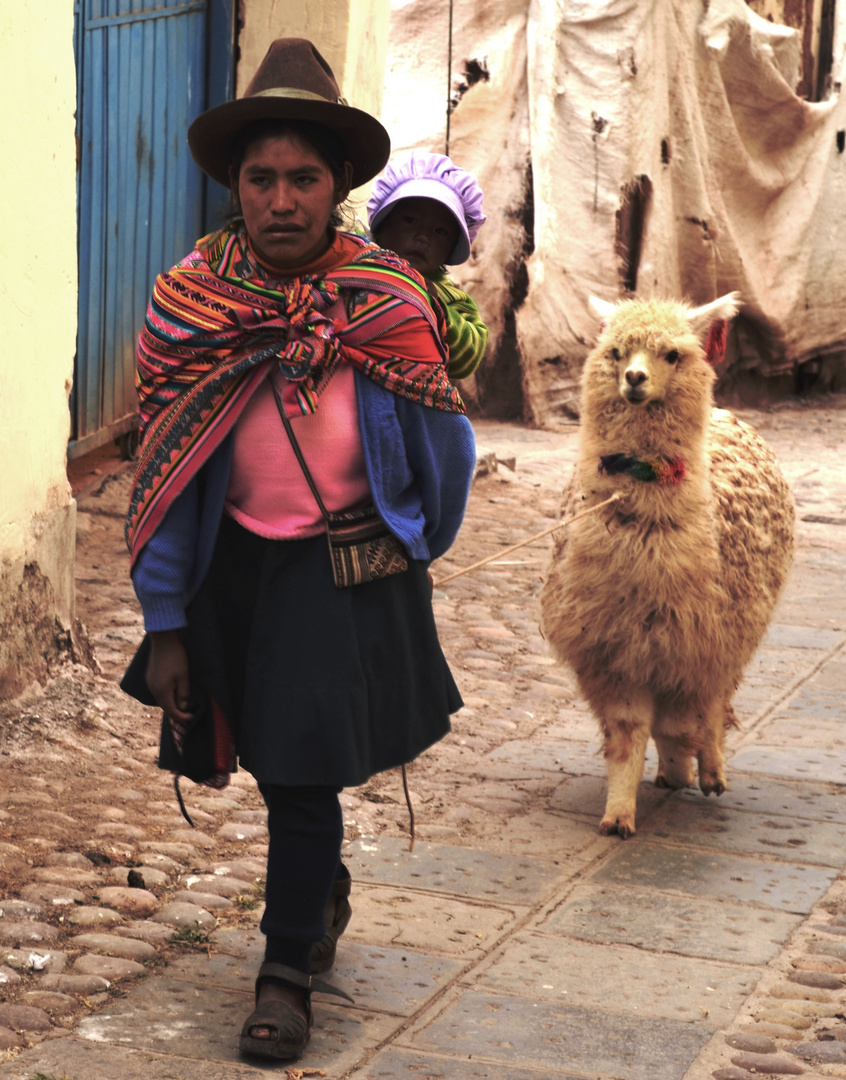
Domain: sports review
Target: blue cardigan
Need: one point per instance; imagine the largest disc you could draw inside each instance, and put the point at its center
(420, 464)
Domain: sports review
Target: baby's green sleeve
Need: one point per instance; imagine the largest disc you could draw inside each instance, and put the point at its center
(467, 335)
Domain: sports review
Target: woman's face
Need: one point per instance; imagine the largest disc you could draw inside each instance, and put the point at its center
(287, 193)
(423, 231)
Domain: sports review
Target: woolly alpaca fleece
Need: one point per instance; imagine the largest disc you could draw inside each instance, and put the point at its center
(659, 601)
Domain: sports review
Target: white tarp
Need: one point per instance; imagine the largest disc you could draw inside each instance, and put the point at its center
(691, 106)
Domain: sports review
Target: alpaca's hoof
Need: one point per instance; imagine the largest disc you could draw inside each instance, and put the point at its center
(622, 827)
(713, 787)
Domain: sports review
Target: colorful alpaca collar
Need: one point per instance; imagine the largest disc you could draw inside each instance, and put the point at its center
(655, 470)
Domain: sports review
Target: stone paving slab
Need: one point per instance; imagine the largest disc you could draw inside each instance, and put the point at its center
(783, 885)
(409, 1065)
(530, 758)
(805, 733)
(771, 795)
(548, 835)
(711, 825)
(546, 968)
(169, 1016)
(777, 663)
(505, 879)
(578, 725)
(776, 666)
(825, 558)
(832, 675)
(754, 696)
(539, 1034)
(771, 672)
(812, 703)
(796, 763)
(586, 795)
(662, 922)
(389, 980)
(79, 1059)
(803, 637)
(230, 963)
(427, 921)
(822, 599)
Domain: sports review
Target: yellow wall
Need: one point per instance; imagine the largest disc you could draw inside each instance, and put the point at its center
(39, 290)
(39, 287)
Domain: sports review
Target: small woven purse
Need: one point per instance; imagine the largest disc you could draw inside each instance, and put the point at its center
(361, 546)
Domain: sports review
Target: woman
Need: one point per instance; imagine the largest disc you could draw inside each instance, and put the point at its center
(279, 319)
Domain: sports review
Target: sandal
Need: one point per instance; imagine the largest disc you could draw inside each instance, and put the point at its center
(338, 915)
(289, 1030)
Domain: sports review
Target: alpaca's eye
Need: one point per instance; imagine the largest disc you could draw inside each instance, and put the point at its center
(672, 356)
(615, 353)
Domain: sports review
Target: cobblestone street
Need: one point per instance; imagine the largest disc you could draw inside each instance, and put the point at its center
(513, 942)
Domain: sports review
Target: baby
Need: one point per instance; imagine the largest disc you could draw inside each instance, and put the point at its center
(429, 211)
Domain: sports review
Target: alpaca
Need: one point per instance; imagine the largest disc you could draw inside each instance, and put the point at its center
(658, 601)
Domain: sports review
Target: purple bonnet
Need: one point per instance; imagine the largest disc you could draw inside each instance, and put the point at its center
(422, 175)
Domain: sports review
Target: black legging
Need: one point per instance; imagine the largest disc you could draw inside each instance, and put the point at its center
(306, 827)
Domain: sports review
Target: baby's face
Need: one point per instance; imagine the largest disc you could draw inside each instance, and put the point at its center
(422, 231)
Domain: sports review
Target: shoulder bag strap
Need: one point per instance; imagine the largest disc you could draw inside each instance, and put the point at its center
(280, 404)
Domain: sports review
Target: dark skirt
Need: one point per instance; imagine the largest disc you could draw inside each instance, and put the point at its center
(320, 685)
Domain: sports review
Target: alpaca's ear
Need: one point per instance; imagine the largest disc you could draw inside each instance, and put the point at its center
(725, 308)
(602, 309)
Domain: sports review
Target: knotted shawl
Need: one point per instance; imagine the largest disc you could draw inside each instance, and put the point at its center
(217, 323)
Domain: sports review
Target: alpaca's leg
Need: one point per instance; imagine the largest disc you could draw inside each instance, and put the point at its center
(716, 717)
(626, 724)
(675, 762)
(676, 751)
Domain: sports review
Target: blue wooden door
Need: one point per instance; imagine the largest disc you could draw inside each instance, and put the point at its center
(145, 69)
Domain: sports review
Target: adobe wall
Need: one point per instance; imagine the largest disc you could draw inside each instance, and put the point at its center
(39, 285)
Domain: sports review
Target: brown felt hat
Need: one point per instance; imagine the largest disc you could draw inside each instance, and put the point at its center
(293, 82)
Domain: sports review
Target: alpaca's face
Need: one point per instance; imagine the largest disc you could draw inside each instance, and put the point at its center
(648, 356)
(646, 371)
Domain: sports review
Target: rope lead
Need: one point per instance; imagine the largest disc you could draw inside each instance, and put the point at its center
(538, 536)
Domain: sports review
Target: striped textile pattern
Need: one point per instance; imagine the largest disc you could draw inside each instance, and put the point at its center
(216, 323)
(362, 547)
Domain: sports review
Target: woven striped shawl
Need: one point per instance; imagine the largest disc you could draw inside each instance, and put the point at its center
(217, 323)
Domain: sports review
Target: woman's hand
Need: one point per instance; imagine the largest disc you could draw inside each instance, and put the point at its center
(167, 674)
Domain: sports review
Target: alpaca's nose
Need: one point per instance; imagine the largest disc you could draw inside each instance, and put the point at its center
(635, 378)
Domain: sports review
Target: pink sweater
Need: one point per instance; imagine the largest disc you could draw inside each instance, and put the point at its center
(268, 493)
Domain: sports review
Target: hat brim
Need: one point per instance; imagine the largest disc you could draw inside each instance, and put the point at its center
(211, 135)
(421, 187)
